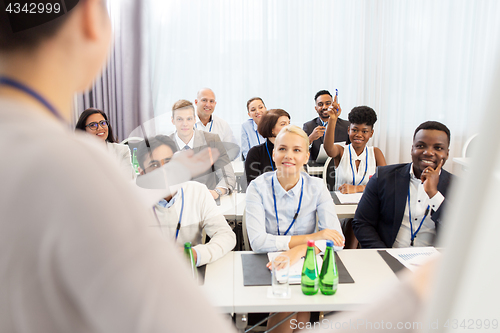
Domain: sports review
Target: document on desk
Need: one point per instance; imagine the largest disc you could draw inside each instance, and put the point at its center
(295, 272)
(413, 257)
(348, 198)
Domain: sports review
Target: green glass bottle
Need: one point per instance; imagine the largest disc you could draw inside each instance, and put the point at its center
(329, 276)
(188, 252)
(135, 164)
(310, 280)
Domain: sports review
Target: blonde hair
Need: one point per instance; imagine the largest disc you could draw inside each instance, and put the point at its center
(181, 104)
(295, 130)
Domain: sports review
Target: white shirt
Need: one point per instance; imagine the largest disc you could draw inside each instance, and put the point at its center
(261, 217)
(199, 213)
(218, 126)
(123, 156)
(250, 136)
(81, 258)
(419, 200)
(181, 143)
(343, 173)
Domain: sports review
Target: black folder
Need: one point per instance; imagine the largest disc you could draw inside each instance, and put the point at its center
(392, 262)
(255, 272)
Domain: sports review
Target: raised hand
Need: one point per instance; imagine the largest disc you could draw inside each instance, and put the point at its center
(334, 110)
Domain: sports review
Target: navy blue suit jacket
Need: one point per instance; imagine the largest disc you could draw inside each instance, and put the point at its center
(340, 134)
(381, 209)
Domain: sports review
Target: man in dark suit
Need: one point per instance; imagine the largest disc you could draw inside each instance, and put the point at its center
(316, 127)
(402, 204)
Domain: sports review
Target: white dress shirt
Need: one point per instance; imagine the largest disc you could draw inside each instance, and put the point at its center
(218, 126)
(181, 143)
(419, 200)
(343, 173)
(261, 217)
(250, 136)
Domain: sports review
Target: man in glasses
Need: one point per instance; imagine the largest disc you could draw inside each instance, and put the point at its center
(190, 209)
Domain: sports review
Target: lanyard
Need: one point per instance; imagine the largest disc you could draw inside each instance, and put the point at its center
(257, 134)
(276, 208)
(324, 124)
(180, 217)
(414, 235)
(211, 123)
(19, 86)
(352, 168)
(268, 154)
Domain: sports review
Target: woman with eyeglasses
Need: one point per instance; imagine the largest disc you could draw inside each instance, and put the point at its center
(95, 122)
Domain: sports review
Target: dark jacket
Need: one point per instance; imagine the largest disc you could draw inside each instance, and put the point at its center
(381, 209)
(258, 161)
(340, 134)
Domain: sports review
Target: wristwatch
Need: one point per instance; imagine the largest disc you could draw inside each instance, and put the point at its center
(219, 192)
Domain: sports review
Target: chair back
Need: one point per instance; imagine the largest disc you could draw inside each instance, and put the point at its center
(246, 242)
(469, 146)
(329, 174)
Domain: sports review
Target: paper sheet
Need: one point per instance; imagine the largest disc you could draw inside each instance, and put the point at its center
(349, 198)
(295, 272)
(413, 257)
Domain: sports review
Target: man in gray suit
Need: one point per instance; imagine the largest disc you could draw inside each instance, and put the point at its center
(220, 180)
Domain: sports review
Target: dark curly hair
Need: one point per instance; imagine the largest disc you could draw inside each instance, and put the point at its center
(362, 115)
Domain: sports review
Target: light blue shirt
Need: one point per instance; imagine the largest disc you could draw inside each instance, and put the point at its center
(167, 204)
(250, 136)
(261, 217)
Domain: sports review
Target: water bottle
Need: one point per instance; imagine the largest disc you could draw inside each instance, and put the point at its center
(329, 276)
(310, 280)
(188, 252)
(135, 164)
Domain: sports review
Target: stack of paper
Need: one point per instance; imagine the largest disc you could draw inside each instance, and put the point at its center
(348, 198)
(295, 272)
(413, 257)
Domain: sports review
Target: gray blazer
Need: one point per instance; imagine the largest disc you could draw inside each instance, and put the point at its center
(221, 174)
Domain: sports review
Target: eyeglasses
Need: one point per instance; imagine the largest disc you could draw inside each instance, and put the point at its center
(94, 126)
(157, 164)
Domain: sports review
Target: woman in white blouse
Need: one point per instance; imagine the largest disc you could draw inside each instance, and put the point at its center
(95, 122)
(354, 163)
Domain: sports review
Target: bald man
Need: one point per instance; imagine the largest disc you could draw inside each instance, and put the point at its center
(205, 106)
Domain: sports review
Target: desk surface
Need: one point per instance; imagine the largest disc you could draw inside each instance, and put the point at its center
(219, 283)
(238, 167)
(224, 286)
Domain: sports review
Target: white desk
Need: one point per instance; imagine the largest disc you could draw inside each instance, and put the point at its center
(345, 211)
(232, 206)
(219, 283)
(369, 271)
(238, 168)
